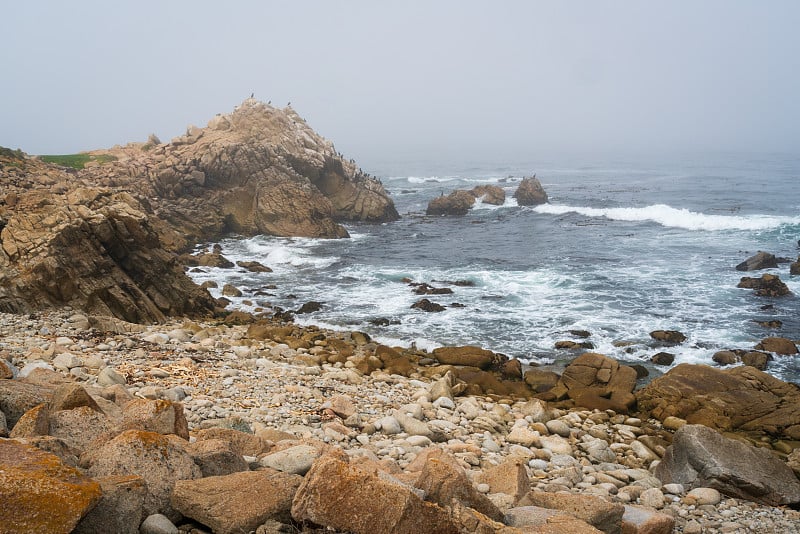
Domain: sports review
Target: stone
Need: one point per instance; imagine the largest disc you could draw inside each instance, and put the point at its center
(725, 357)
(672, 337)
(158, 524)
(703, 496)
(254, 266)
(523, 435)
(652, 498)
(365, 501)
(444, 481)
(489, 194)
(39, 493)
(740, 398)
(17, 397)
(768, 285)
(756, 359)
(216, 457)
(456, 203)
(342, 405)
(555, 444)
(412, 426)
(595, 381)
(643, 520)
(530, 192)
(161, 416)
(557, 426)
(229, 290)
(154, 457)
(69, 396)
(702, 457)
(428, 306)
(596, 511)
(295, 460)
(227, 505)
(34, 422)
(761, 260)
(510, 477)
(663, 358)
(108, 376)
(467, 355)
(78, 427)
(119, 509)
(541, 381)
(778, 345)
(243, 443)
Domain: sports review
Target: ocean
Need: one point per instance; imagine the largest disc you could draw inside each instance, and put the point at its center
(624, 247)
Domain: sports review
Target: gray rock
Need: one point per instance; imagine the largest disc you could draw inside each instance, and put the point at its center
(296, 460)
(109, 376)
(158, 524)
(702, 457)
(761, 260)
(412, 426)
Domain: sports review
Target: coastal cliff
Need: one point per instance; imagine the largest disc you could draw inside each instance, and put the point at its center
(103, 238)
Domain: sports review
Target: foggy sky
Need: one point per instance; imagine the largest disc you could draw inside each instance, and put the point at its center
(409, 79)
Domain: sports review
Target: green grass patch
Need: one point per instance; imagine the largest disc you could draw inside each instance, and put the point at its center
(77, 161)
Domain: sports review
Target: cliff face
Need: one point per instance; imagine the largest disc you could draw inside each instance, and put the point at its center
(257, 170)
(103, 239)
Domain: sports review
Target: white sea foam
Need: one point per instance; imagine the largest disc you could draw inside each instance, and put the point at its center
(674, 217)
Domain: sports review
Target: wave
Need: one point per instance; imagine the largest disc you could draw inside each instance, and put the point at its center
(674, 217)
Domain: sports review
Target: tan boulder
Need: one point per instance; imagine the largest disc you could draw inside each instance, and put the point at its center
(39, 493)
(237, 502)
(216, 457)
(537, 520)
(489, 194)
(469, 356)
(596, 511)
(443, 480)
(595, 381)
(644, 520)
(456, 203)
(154, 457)
(69, 396)
(343, 496)
(741, 398)
(778, 345)
(510, 477)
(668, 336)
(769, 285)
(243, 443)
(78, 427)
(34, 422)
(17, 397)
(161, 416)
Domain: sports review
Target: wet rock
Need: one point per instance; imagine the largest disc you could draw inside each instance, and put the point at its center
(769, 285)
(672, 337)
(663, 358)
(230, 290)
(756, 359)
(425, 289)
(530, 192)
(489, 194)
(427, 306)
(254, 266)
(725, 357)
(778, 345)
(309, 307)
(226, 503)
(456, 203)
(761, 260)
(702, 457)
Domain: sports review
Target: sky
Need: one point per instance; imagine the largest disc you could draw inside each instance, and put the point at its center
(412, 79)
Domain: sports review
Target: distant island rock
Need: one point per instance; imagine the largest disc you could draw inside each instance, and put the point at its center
(104, 238)
(529, 193)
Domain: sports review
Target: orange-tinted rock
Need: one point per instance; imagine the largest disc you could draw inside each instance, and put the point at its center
(39, 493)
(34, 422)
(243, 443)
(489, 194)
(17, 397)
(78, 427)
(468, 355)
(768, 285)
(343, 496)
(458, 202)
(541, 381)
(668, 336)
(510, 477)
(644, 520)
(238, 502)
(530, 192)
(595, 381)
(596, 511)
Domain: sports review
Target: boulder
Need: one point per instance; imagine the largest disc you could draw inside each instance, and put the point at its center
(154, 457)
(295, 460)
(794, 268)
(596, 511)
(595, 381)
(216, 457)
(34, 422)
(510, 477)
(17, 397)
(226, 504)
(69, 396)
(778, 345)
(740, 398)
(672, 337)
(443, 480)
(468, 355)
(489, 194)
(161, 416)
(39, 493)
(343, 496)
(456, 203)
(254, 266)
(530, 192)
(427, 306)
(761, 260)
(243, 443)
(702, 457)
(769, 285)
(119, 509)
(756, 359)
(78, 427)
(537, 520)
(541, 381)
(644, 520)
(663, 358)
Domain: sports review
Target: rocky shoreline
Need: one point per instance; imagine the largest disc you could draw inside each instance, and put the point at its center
(184, 419)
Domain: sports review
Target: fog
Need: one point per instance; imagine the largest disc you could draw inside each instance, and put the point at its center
(410, 80)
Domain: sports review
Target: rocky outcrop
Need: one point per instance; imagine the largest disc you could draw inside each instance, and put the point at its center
(741, 398)
(102, 239)
(701, 457)
(456, 203)
(596, 381)
(768, 285)
(530, 192)
(257, 170)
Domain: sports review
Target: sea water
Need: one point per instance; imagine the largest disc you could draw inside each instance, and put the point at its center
(625, 246)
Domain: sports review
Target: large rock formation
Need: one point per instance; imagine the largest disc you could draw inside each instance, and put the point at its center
(530, 192)
(102, 239)
(257, 170)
